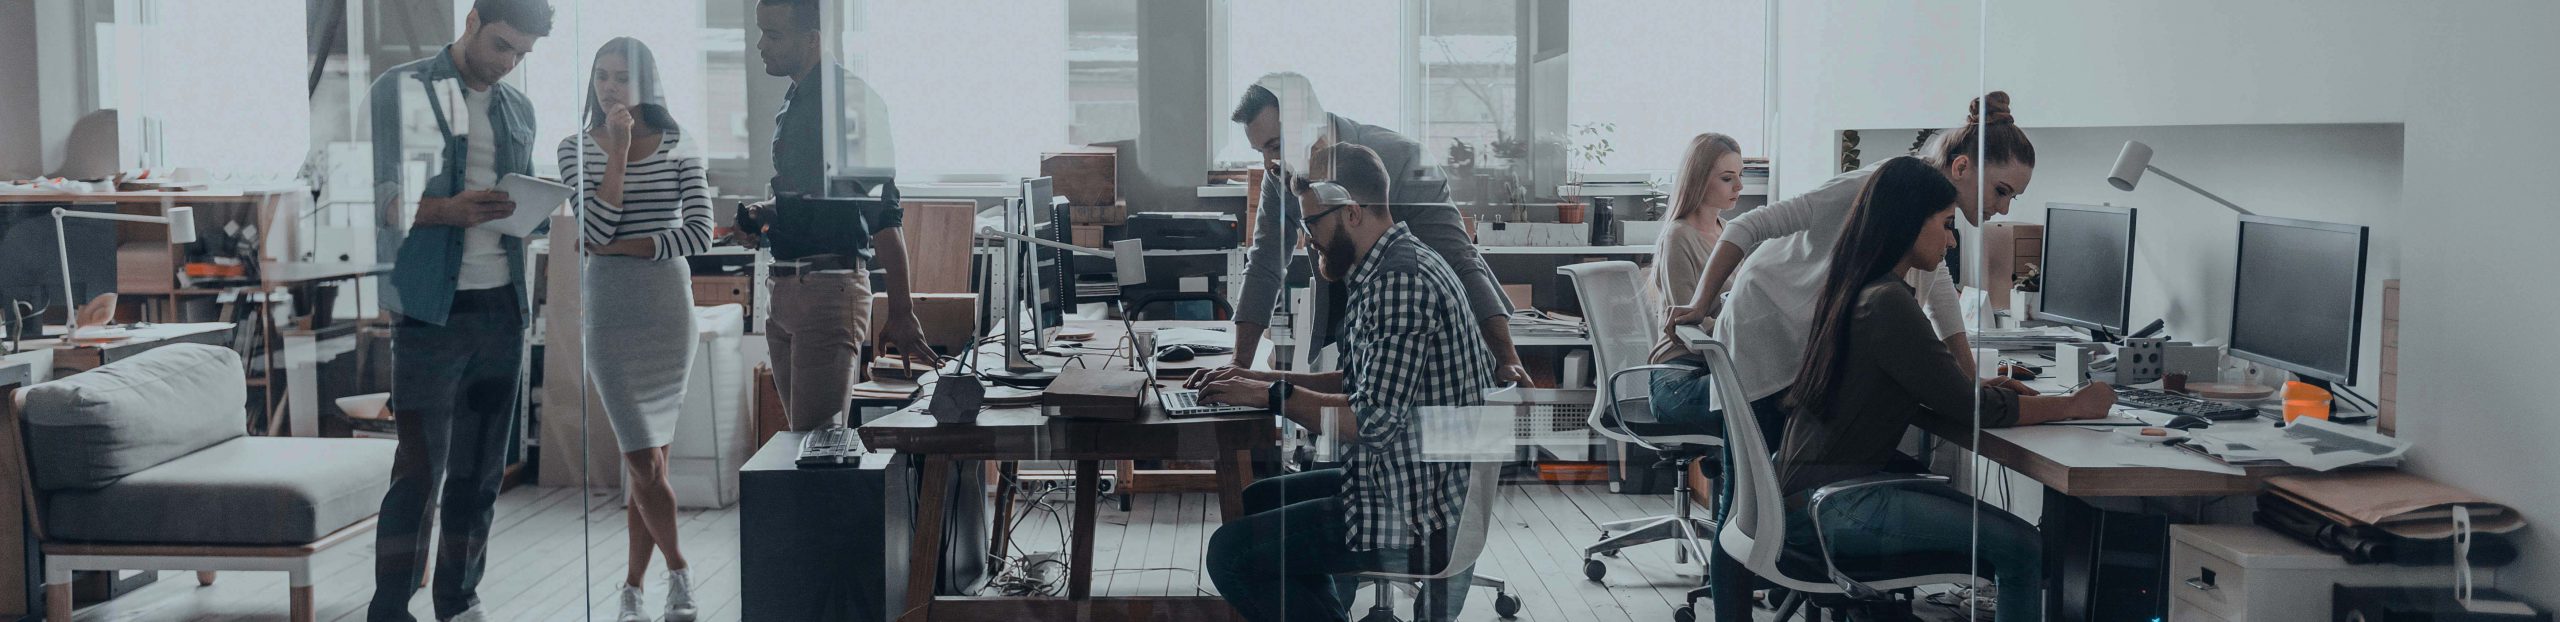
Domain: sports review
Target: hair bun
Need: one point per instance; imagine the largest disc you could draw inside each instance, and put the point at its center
(1991, 109)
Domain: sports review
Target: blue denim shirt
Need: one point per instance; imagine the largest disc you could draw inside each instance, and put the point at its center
(426, 259)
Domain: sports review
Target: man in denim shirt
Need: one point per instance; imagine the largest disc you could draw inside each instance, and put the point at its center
(459, 293)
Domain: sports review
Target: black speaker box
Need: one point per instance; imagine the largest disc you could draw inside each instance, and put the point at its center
(2400, 604)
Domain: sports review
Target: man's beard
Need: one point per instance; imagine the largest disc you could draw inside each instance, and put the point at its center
(1334, 258)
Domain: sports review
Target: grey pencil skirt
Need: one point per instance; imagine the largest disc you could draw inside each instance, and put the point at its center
(639, 341)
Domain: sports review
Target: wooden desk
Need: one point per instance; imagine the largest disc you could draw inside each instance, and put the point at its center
(1026, 433)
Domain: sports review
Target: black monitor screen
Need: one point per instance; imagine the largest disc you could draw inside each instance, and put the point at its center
(2088, 266)
(2300, 296)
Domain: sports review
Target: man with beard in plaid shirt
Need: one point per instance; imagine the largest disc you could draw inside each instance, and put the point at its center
(1409, 344)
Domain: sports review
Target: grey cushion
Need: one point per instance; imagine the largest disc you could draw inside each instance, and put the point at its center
(252, 490)
(88, 429)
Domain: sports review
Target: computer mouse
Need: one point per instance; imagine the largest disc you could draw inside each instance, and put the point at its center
(2188, 422)
(1175, 354)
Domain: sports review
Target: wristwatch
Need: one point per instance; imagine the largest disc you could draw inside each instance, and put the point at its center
(1279, 391)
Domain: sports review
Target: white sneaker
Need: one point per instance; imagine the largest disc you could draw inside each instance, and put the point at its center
(631, 606)
(470, 615)
(680, 596)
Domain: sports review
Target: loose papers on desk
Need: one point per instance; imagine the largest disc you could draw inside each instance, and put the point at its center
(2027, 338)
(1533, 322)
(2307, 443)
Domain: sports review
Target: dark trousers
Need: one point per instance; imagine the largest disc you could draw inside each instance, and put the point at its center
(453, 397)
(1286, 559)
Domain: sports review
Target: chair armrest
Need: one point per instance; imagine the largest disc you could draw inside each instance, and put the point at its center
(1813, 508)
(1609, 395)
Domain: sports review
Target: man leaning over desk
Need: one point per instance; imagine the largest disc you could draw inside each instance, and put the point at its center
(1407, 346)
(1282, 106)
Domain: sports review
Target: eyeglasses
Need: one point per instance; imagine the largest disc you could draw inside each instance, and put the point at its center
(1319, 188)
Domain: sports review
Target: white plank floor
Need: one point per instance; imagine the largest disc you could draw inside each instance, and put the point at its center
(558, 553)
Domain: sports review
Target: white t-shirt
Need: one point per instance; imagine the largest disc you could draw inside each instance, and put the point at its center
(484, 260)
(1769, 315)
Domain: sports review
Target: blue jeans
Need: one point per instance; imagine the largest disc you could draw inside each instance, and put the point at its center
(1681, 397)
(1287, 560)
(1928, 518)
(453, 396)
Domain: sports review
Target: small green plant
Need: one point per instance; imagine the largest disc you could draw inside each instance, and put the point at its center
(1591, 144)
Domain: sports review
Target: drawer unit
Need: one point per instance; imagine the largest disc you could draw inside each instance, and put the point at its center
(2246, 573)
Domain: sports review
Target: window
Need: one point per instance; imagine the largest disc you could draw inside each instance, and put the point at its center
(1349, 49)
(973, 87)
(1663, 71)
(1102, 70)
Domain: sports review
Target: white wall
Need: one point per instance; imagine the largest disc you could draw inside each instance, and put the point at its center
(2478, 349)
(21, 127)
(2185, 243)
(1665, 71)
(2470, 82)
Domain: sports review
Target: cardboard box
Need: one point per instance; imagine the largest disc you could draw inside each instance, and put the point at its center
(716, 290)
(1109, 394)
(949, 320)
(1521, 295)
(2387, 406)
(1105, 215)
(1084, 175)
(2024, 246)
(1088, 236)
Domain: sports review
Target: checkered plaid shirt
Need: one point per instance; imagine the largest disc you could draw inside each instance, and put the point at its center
(1412, 343)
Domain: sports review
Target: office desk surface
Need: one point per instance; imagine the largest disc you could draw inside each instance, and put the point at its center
(2087, 462)
(1026, 433)
(78, 358)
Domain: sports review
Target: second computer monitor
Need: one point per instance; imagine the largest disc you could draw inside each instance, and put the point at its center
(2087, 273)
(2299, 302)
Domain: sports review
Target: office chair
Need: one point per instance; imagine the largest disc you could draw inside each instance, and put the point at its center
(1484, 485)
(1622, 334)
(1755, 528)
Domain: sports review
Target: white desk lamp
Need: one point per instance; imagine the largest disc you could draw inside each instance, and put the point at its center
(1129, 268)
(2136, 158)
(182, 230)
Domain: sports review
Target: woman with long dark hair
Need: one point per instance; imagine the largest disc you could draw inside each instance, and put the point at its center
(1873, 366)
(643, 206)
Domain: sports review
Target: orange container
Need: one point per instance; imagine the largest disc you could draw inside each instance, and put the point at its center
(2303, 400)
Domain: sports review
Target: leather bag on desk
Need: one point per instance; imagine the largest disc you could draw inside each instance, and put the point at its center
(1101, 394)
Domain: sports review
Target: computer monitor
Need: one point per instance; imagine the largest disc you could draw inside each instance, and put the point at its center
(1055, 284)
(31, 267)
(2299, 298)
(2087, 272)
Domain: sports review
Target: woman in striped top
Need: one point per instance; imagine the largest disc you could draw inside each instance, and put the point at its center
(642, 208)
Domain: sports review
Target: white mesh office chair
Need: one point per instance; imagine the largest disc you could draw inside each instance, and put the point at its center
(1623, 328)
(1484, 485)
(1755, 528)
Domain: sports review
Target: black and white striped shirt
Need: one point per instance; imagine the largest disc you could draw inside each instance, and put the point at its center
(664, 196)
(1412, 344)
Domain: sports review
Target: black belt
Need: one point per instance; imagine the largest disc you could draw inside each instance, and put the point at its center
(491, 300)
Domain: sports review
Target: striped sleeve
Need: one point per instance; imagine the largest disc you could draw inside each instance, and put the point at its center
(693, 195)
(595, 219)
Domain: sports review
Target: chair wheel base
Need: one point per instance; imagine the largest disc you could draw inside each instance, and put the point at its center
(1686, 613)
(1593, 569)
(1380, 615)
(1506, 605)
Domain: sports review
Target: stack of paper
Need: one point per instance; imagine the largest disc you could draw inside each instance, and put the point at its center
(2308, 443)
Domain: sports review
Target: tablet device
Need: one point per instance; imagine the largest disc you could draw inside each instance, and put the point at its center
(535, 198)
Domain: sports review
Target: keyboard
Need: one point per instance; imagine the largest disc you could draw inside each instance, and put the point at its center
(2172, 403)
(832, 446)
(1186, 403)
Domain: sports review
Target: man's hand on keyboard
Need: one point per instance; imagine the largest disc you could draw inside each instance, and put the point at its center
(1237, 392)
(1201, 379)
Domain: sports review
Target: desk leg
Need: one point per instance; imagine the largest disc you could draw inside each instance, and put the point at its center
(1002, 536)
(1088, 494)
(1233, 474)
(924, 554)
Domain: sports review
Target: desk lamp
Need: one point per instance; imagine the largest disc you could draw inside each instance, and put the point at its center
(2136, 158)
(182, 230)
(1129, 268)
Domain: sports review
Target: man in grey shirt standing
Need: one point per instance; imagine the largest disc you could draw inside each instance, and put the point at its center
(1422, 207)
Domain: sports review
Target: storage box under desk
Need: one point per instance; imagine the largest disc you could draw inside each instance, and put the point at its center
(2247, 573)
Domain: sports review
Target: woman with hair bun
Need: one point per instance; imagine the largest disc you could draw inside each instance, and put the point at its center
(1775, 259)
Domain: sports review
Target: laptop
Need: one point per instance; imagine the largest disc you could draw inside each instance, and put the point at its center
(1180, 403)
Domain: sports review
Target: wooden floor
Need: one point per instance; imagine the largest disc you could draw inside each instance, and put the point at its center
(557, 554)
